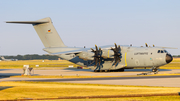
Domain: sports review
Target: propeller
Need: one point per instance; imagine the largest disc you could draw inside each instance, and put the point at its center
(146, 44)
(97, 55)
(117, 53)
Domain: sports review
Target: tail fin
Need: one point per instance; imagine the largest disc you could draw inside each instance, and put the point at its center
(45, 31)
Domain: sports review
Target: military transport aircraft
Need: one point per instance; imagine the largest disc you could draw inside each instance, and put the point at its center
(104, 58)
(3, 59)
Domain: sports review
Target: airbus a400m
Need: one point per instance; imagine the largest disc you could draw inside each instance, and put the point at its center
(104, 58)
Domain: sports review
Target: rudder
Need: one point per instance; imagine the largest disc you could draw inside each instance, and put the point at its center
(48, 34)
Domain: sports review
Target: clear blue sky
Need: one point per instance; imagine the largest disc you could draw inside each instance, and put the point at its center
(89, 22)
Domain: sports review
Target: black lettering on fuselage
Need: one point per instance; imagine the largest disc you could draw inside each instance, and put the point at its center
(141, 53)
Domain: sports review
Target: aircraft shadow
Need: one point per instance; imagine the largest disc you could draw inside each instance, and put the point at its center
(5, 87)
(7, 75)
(75, 69)
(144, 70)
(125, 70)
(4, 69)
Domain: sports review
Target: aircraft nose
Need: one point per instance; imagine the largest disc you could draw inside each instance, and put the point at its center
(169, 58)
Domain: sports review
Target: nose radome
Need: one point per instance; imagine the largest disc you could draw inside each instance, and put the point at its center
(169, 58)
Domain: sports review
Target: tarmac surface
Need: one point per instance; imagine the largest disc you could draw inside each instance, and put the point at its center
(165, 81)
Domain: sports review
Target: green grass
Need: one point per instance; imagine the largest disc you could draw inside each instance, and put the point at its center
(25, 89)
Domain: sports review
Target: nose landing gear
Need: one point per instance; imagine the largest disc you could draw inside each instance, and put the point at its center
(155, 70)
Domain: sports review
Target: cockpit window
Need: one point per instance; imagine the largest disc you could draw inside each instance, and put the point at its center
(162, 51)
(165, 51)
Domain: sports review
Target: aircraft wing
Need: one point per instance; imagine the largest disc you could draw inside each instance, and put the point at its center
(168, 47)
(70, 52)
(76, 51)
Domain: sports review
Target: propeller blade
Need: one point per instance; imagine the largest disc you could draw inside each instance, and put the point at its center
(96, 47)
(92, 50)
(115, 45)
(97, 55)
(146, 44)
(117, 54)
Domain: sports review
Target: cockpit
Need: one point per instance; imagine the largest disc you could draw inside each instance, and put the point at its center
(162, 51)
(168, 56)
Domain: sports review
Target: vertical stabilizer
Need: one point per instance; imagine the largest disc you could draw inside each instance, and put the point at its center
(46, 32)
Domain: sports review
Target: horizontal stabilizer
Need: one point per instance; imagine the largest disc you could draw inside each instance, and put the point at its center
(28, 22)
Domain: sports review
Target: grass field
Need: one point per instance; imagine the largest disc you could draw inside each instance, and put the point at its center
(33, 63)
(175, 64)
(155, 98)
(24, 89)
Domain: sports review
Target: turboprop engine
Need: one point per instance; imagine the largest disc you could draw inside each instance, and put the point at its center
(86, 55)
(107, 54)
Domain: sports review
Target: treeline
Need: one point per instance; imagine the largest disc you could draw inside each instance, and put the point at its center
(32, 57)
(176, 55)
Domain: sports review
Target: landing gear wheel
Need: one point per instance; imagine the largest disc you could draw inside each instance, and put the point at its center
(155, 70)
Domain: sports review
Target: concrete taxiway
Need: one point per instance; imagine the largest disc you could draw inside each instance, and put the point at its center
(83, 72)
(165, 81)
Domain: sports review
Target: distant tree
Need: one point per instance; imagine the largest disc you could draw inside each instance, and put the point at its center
(32, 57)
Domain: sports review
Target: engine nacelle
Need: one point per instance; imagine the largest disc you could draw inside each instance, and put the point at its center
(107, 54)
(86, 55)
